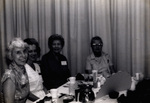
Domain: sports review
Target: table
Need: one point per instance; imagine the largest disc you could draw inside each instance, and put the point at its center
(106, 99)
(103, 99)
(120, 81)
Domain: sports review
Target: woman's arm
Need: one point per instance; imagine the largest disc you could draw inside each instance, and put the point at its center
(45, 90)
(112, 69)
(88, 69)
(9, 91)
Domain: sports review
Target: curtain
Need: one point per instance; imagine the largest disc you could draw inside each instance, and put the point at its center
(123, 25)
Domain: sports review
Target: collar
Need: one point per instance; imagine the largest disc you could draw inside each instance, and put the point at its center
(93, 56)
(15, 67)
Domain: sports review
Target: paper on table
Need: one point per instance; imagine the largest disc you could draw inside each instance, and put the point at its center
(118, 82)
(105, 99)
(63, 89)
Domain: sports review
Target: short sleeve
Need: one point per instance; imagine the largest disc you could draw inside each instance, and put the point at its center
(108, 59)
(8, 75)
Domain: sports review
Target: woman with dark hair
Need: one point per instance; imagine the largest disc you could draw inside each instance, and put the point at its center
(54, 65)
(33, 70)
(32, 41)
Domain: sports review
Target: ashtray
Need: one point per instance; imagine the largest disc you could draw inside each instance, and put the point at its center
(68, 98)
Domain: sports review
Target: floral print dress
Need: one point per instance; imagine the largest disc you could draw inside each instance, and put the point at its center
(20, 79)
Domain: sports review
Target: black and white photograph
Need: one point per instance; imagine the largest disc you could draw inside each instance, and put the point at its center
(74, 51)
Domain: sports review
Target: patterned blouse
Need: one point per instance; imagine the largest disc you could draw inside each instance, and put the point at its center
(99, 63)
(20, 79)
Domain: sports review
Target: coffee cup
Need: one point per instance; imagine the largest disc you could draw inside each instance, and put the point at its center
(72, 80)
(95, 72)
(137, 75)
(54, 93)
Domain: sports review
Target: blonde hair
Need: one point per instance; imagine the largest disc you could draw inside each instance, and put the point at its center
(14, 43)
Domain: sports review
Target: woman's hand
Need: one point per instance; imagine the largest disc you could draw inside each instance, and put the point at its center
(106, 74)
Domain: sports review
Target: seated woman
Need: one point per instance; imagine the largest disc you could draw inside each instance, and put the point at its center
(15, 83)
(33, 70)
(54, 65)
(99, 60)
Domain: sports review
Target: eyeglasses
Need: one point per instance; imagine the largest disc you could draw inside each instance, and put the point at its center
(94, 44)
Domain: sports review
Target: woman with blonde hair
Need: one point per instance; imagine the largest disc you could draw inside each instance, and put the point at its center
(15, 83)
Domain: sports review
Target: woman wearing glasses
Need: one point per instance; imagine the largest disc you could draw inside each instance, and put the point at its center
(99, 60)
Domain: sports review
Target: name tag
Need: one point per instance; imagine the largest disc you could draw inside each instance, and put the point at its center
(63, 63)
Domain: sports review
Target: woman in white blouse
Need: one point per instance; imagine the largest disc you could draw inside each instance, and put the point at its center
(33, 70)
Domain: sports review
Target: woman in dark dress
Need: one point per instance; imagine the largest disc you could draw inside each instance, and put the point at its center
(54, 65)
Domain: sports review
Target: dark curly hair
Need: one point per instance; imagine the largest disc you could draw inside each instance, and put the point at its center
(55, 37)
(31, 41)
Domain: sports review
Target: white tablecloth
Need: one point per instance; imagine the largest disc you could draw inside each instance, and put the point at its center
(105, 99)
(119, 81)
